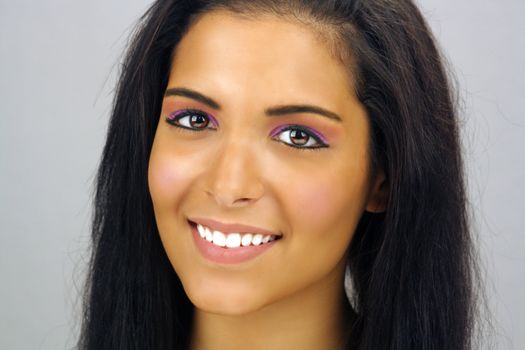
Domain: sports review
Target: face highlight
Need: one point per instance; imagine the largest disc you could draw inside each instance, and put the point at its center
(259, 126)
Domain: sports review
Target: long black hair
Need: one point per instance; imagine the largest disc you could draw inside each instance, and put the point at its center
(413, 266)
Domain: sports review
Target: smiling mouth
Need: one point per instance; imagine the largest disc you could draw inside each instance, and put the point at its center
(233, 240)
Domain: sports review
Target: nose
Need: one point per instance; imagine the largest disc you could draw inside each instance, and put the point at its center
(233, 176)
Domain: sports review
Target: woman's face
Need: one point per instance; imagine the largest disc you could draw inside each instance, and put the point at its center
(260, 127)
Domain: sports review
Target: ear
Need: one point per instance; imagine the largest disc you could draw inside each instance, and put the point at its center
(377, 198)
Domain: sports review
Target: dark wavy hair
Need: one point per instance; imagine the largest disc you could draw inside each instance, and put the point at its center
(413, 266)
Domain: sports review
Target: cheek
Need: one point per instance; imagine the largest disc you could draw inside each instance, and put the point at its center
(163, 176)
(166, 181)
(315, 200)
(326, 202)
(323, 199)
(169, 176)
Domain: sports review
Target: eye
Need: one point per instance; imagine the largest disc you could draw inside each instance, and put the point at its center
(191, 119)
(298, 136)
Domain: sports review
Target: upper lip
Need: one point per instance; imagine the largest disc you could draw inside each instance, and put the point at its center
(232, 227)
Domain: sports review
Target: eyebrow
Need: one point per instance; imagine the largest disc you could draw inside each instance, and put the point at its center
(271, 112)
(194, 95)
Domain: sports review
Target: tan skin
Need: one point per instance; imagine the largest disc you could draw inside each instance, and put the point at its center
(236, 169)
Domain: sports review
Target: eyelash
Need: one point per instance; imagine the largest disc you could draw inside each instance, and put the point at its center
(173, 119)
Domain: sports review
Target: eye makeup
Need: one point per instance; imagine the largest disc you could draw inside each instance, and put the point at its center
(319, 138)
(176, 117)
(186, 117)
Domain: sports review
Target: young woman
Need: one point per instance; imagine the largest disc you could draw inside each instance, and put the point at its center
(257, 150)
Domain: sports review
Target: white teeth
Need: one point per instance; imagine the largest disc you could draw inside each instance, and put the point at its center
(257, 239)
(219, 238)
(233, 240)
(209, 235)
(201, 230)
(246, 239)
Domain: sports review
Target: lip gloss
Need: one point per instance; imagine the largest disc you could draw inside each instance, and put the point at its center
(224, 255)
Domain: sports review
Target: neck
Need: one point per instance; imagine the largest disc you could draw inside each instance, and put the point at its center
(315, 318)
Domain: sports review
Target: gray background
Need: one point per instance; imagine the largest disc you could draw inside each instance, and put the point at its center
(58, 65)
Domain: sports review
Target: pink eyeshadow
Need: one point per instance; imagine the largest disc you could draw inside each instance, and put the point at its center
(283, 127)
(179, 112)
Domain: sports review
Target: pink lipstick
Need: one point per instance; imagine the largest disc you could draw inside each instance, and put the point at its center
(230, 243)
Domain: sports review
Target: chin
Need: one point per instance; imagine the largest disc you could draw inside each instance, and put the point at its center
(226, 301)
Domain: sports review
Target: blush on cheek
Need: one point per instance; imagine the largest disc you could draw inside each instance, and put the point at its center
(325, 204)
(166, 180)
(315, 202)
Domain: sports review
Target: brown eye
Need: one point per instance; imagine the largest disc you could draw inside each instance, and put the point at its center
(194, 120)
(198, 121)
(299, 137)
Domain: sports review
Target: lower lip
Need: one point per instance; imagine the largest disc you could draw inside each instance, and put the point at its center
(222, 255)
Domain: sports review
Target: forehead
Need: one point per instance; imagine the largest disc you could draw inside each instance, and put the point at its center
(224, 48)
